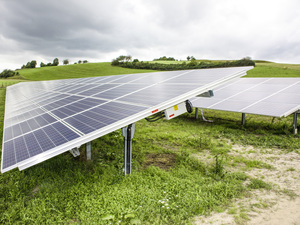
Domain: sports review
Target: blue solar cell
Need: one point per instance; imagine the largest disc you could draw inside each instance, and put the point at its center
(81, 106)
(91, 102)
(33, 124)
(52, 99)
(145, 100)
(41, 121)
(81, 88)
(125, 108)
(65, 131)
(107, 116)
(8, 155)
(67, 111)
(90, 122)
(24, 116)
(93, 119)
(32, 145)
(48, 118)
(121, 91)
(8, 134)
(74, 108)
(51, 106)
(20, 149)
(61, 89)
(54, 136)
(16, 130)
(98, 89)
(43, 139)
(79, 125)
(25, 127)
(59, 113)
(158, 77)
(69, 99)
(35, 112)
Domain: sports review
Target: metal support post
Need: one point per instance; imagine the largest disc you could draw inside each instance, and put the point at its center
(295, 130)
(196, 113)
(128, 133)
(75, 152)
(243, 119)
(88, 151)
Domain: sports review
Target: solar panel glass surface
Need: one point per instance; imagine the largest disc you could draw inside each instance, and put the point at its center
(44, 119)
(264, 96)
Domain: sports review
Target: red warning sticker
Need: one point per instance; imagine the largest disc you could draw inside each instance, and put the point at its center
(171, 115)
(154, 111)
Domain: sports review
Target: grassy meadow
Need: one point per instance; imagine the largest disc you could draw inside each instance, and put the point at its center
(169, 184)
(76, 71)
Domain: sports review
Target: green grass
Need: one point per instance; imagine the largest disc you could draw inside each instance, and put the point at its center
(6, 82)
(76, 71)
(274, 70)
(72, 190)
(258, 184)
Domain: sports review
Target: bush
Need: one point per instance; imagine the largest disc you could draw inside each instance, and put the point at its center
(164, 58)
(122, 59)
(7, 73)
(193, 64)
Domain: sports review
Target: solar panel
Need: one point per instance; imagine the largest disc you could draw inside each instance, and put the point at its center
(275, 97)
(46, 118)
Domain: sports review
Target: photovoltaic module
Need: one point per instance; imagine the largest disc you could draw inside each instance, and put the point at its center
(46, 118)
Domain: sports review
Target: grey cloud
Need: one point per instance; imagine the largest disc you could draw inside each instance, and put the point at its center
(96, 29)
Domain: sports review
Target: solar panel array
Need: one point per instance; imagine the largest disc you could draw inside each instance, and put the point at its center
(275, 97)
(46, 118)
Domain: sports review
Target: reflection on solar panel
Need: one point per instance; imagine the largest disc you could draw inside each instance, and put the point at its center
(275, 97)
(44, 119)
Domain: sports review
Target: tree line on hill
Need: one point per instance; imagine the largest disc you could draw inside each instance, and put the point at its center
(55, 62)
(165, 58)
(32, 64)
(126, 62)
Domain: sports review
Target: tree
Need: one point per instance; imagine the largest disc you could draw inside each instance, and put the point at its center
(193, 58)
(128, 58)
(42, 64)
(55, 62)
(31, 64)
(188, 58)
(79, 61)
(121, 60)
(85, 61)
(66, 62)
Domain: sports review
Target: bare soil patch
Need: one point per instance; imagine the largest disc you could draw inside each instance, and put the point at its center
(163, 161)
(280, 205)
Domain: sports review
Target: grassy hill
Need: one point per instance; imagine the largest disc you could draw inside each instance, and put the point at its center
(76, 71)
(274, 70)
(262, 69)
(181, 168)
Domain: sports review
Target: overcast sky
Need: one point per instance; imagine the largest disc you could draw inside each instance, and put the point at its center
(100, 31)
